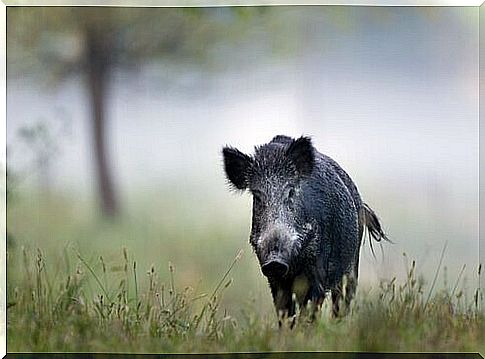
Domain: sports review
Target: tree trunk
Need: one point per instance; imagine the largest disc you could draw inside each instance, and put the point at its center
(97, 61)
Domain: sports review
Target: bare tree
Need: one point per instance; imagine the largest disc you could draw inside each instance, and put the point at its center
(109, 38)
(97, 51)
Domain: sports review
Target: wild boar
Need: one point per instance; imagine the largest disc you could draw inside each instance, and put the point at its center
(308, 221)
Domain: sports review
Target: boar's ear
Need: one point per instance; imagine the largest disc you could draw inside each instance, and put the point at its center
(236, 165)
(301, 153)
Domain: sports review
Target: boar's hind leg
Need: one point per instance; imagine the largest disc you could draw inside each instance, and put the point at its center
(343, 293)
(336, 300)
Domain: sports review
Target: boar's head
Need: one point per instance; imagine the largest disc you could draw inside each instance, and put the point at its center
(276, 175)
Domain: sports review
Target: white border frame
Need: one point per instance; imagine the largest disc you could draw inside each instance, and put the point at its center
(150, 3)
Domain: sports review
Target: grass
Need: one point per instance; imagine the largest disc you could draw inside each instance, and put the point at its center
(188, 288)
(139, 312)
(68, 314)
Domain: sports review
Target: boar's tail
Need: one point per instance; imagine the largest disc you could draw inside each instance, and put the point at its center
(371, 222)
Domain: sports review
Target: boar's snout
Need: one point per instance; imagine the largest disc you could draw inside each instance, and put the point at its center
(275, 268)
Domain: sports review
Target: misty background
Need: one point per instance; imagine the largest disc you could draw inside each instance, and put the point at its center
(391, 93)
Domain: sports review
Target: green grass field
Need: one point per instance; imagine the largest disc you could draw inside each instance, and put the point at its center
(176, 279)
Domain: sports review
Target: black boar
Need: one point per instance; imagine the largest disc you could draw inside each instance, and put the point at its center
(307, 224)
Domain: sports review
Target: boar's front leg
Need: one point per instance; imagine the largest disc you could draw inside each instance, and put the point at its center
(282, 298)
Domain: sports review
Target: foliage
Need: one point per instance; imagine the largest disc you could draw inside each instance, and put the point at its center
(53, 40)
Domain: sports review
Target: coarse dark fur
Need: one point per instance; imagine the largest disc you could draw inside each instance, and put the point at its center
(307, 224)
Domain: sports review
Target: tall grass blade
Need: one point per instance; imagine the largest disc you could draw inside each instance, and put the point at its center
(436, 275)
(94, 275)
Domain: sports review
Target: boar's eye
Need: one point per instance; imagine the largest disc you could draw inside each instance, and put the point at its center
(290, 194)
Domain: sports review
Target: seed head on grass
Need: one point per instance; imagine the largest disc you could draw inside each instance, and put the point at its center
(172, 284)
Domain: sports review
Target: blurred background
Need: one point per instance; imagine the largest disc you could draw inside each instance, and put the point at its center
(116, 118)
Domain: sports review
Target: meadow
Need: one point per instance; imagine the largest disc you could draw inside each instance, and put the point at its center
(153, 283)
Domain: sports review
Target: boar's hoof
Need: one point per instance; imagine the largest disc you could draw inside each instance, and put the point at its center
(275, 268)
